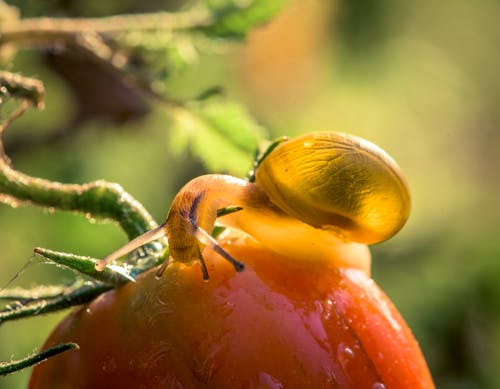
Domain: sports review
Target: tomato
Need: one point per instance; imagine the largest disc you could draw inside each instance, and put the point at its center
(277, 324)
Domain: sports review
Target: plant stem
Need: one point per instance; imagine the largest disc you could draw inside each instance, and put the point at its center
(74, 297)
(15, 85)
(42, 31)
(13, 366)
(98, 199)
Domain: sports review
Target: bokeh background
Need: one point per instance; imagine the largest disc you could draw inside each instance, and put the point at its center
(420, 79)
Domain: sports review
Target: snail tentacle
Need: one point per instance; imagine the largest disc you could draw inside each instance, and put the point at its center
(141, 240)
(207, 239)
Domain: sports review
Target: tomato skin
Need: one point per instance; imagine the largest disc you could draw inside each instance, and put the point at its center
(278, 324)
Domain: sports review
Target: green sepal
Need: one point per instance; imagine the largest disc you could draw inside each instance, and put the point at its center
(86, 266)
(228, 210)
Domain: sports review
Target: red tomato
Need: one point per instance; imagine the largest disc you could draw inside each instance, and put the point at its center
(278, 324)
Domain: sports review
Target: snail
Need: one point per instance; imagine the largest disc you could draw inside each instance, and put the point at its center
(323, 196)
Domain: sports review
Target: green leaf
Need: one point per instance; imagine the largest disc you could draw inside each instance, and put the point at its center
(222, 133)
(235, 18)
(154, 56)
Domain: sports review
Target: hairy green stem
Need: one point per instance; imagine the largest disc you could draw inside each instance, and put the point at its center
(13, 366)
(98, 199)
(24, 295)
(72, 297)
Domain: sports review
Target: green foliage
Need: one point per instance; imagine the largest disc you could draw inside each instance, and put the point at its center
(222, 133)
(235, 18)
(155, 56)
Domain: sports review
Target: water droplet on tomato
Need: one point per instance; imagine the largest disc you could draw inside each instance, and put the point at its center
(345, 354)
(327, 308)
(378, 385)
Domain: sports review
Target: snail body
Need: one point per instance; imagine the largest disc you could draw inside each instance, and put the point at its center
(323, 194)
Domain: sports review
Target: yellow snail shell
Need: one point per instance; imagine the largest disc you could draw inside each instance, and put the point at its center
(337, 182)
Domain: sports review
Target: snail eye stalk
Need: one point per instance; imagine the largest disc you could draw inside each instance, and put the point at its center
(150, 236)
(203, 266)
(205, 238)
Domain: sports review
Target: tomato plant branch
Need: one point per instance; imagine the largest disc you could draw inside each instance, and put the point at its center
(24, 296)
(98, 199)
(13, 366)
(26, 303)
(116, 43)
(30, 89)
(47, 31)
(72, 296)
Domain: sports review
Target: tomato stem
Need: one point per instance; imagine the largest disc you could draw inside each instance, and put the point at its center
(76, 295)
(13, 366)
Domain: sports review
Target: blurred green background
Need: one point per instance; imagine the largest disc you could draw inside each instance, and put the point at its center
(420, 79)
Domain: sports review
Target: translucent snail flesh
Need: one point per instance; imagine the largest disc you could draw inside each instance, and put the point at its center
(321, 196)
